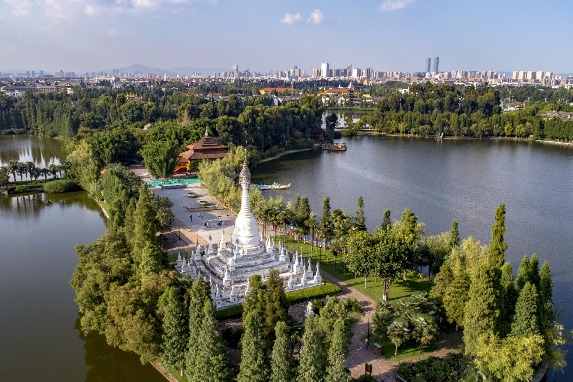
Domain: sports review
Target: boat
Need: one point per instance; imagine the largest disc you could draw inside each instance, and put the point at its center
(171, 186)
(192, 194)
(334, 147)
(210, 207)
(274, 186)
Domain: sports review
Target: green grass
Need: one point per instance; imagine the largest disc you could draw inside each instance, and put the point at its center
(405, 351)
(414, 283)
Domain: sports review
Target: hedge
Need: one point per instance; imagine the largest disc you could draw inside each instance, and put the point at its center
(448, 369)
(61, 185)
(328, 289)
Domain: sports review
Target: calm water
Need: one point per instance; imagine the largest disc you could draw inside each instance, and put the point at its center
(39, 338)
(443, 181)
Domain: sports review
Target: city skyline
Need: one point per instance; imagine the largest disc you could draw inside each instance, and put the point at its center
(387, 35)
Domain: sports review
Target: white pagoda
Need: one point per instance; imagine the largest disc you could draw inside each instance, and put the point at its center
(229, 267)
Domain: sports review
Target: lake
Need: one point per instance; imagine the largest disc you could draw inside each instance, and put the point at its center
(441, 181)
(40, 339)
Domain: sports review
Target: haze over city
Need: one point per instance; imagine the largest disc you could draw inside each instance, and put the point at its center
(92, 35)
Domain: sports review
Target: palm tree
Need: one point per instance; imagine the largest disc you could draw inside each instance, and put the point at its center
(30, 166)
(66, 167)
(313, 227)
(35, 173)
(12, 168)
(22, 169)
(53, 169)
(4, 176)
(44, 171)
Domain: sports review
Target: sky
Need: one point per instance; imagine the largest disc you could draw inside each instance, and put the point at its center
(265, 35)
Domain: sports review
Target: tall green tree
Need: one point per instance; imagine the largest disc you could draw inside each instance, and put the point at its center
(482, 312)
(456, 295)
(454, 235)
(276, 306)
(175, 330)
(211, 358)
(337, 353)
(546, 295)
(360, 253)
(497, 246)
(312, 366)
(360, 220)
(524, 274)
(526, 321)
(160, 157)
(198, 295)
(282, 368)
(254, 366)
(326, 227)
(150, 261)
(386, 222)
(145, 223)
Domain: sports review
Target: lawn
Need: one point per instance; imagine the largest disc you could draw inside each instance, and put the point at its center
(415, 283)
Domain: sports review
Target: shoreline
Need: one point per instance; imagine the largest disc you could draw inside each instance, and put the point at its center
(283, 154)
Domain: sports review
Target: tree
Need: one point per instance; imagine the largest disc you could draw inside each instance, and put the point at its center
(424, 328)
(398, 332)
(281, 360)
(276, 306)
(211, 358)
(150, 261)
(482, 312)
(160, 157)
(546, 295)
(360, 253)
(145, 224)
(311, 367)
(497, 246)
(454, 235)
(253, 365)
(337, 352)
(386, 222)
(441, 282)
(175, 330)
(456, 295)
(326, 228)
(526, 321)
(511, 359)
(360, 220)
(198, 295)
(523, 273)
(392, 252)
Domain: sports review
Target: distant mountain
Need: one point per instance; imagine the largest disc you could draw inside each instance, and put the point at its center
(185, 70)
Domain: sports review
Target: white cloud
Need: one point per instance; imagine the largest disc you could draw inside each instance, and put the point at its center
(316, 17)
(291, 18)
(395, 5)
(19, 7)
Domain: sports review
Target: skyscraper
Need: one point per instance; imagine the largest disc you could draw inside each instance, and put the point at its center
(324, 69)
(436, 64)
(428, 64)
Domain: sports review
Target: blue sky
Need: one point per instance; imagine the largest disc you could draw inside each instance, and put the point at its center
(388, 35)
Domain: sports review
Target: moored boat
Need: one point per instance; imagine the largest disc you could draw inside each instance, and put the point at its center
(274, 186)
(334, 147)
(173, 185)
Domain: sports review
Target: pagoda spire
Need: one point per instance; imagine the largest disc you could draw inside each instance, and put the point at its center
(246, 232)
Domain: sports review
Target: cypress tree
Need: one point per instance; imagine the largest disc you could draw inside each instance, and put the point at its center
(255, 300)
(281, 361)
(326, 226)
(150, 261)
(534, 264)
(211, 358)
(444, 277)
(311, 367)
(145, 224)
(510, 295)
(526, 321)
(481, 312)
(454, 235)
(546, 296)
(175, 330)
(360, 222)
(497, 246)
(129, 224)
(254, 366)
(198, 295)
(523, 273)
(386, 222)
(337, 352)
(276, 305)
(456, 295)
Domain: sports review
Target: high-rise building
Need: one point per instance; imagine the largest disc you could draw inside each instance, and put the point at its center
(324, 70)
(428, 64)
(436, 64)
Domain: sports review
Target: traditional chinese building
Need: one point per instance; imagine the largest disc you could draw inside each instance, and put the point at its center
(205, 148)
